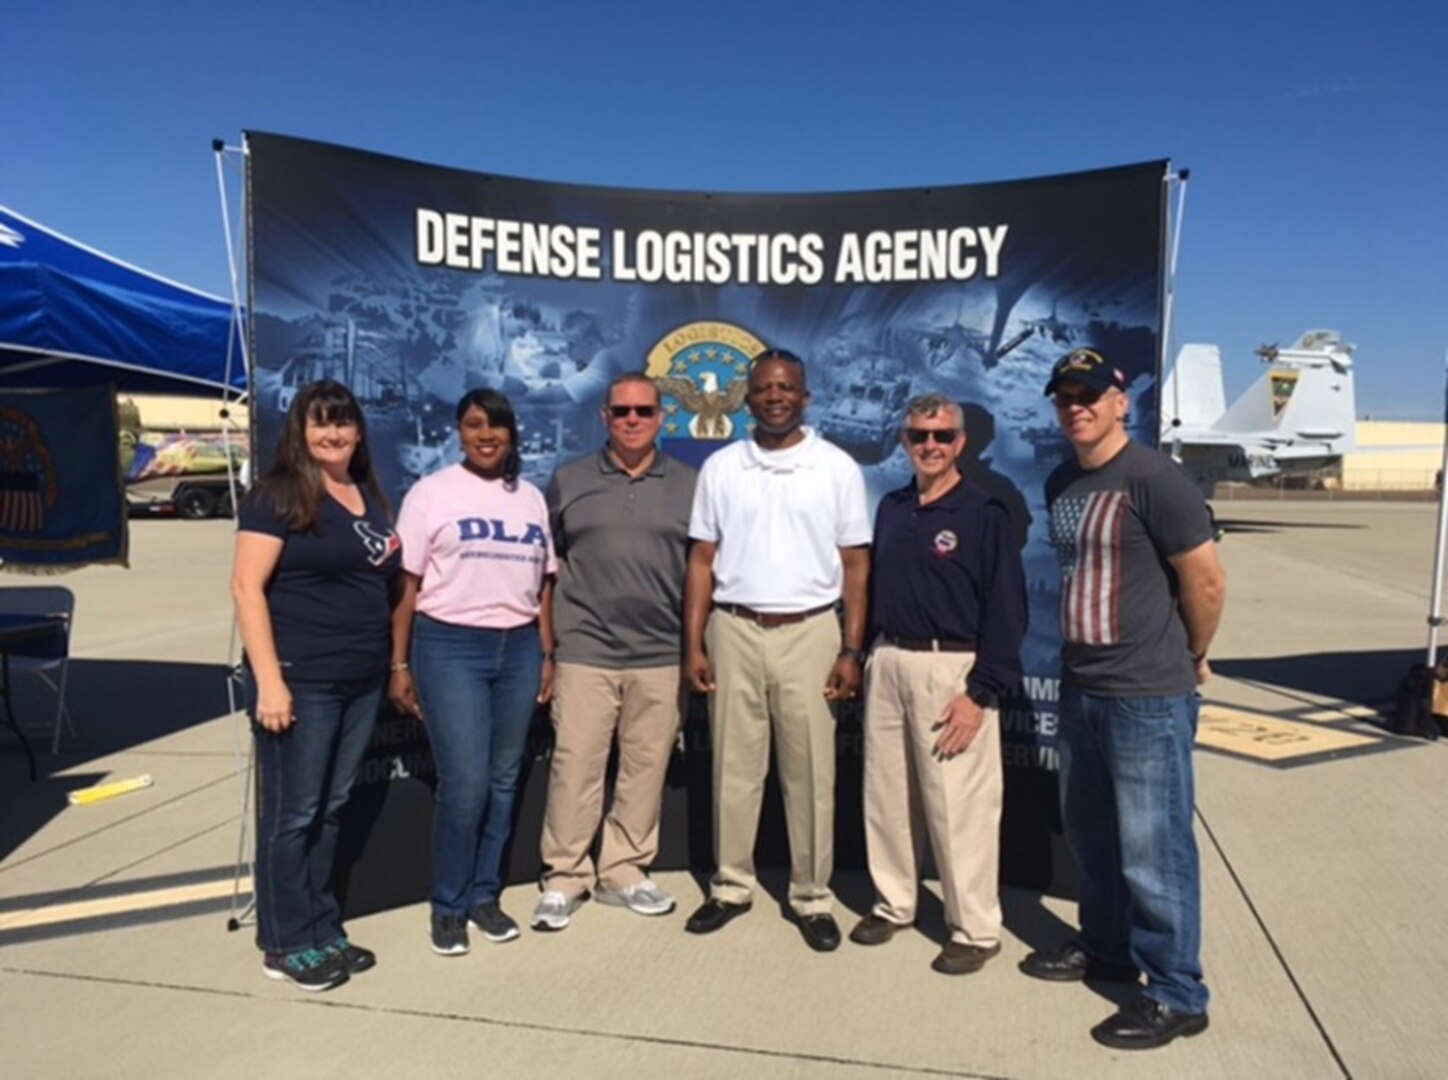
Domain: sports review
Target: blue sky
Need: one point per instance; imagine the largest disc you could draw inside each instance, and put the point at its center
(1316, 133)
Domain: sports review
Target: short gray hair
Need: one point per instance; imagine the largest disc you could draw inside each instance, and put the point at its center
(932, 403)
(631, 377)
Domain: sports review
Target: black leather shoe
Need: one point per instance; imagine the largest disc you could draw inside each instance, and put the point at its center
(958, 958)
(1071, 963)
(821, 932)
(714, 915)
(1145, 1023)
(873, 930)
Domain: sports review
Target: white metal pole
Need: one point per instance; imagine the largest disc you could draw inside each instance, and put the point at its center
(1435, 606)
(1180, 179)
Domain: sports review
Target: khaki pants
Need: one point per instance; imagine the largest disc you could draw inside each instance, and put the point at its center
(909, 795)
(763, 675)
(589, 705)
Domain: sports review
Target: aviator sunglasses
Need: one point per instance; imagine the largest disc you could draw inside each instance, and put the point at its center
(919, 436)
(646, 412)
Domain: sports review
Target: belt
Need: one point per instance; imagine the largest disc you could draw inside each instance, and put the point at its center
(770, 619)
(911, 644)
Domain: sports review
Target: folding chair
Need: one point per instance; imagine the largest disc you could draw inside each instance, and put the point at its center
(47, 659)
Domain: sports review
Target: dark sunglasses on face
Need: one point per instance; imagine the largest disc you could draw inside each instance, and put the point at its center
(645, 412)
(918, 436)
(1080, 397)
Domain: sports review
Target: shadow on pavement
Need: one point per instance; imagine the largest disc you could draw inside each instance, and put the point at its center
(1369, 677)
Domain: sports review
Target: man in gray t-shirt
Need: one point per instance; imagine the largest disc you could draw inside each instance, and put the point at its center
(1141, 596)
(620, 522)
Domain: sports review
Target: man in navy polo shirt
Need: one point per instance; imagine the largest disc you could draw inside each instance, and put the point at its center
(948, 613)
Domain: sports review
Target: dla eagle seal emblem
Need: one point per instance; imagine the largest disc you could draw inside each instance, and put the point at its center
(703, 370)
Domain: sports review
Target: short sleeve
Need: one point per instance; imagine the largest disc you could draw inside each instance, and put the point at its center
(552, 560)
(703, 519)
(554, 498)
(852, 516)
(1173, 510)
(412, 529)
(258, 514)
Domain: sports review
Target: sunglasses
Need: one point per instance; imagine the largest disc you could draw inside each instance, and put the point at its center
(919, 436)
(1086, 398)
(645, 412)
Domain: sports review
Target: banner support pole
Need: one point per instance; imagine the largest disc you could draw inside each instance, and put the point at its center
(1175, 180)
(1435, 595)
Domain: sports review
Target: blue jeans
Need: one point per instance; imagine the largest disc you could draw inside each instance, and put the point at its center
(478, 689)
(303, 777)
(1126, 802)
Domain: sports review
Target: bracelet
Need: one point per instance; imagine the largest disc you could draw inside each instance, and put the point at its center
(400, 665)
(1198, 657)
(857, 655)
(548, 657)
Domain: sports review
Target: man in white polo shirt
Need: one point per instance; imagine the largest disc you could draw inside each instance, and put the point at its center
(781, 535)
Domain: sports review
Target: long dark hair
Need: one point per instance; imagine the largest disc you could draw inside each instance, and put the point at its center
(499, 411)
(293, 483)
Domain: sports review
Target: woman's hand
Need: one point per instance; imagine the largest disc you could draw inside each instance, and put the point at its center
(274, 707)
(545, 681)
(402, 692)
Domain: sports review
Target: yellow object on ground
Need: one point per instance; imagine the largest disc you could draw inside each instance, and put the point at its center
(109, 791)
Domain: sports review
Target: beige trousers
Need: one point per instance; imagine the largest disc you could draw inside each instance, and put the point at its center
(773, 675)
(589, 705)
(910, 796)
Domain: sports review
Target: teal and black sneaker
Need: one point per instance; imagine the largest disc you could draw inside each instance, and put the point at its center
(354, 958)
(309, 969)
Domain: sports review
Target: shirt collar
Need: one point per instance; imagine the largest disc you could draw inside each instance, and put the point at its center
(799, 456)
(606, 464)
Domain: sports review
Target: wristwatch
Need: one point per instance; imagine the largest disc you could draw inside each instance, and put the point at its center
(857, 655)
(986, 699)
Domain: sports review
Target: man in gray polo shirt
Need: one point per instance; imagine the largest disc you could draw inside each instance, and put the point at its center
(621, 526)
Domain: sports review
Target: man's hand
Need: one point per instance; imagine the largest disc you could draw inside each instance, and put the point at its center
(1204, 671)
(957, 723)
(699, 672)
(844, 679)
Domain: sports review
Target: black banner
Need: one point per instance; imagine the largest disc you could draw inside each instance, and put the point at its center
(413, 283)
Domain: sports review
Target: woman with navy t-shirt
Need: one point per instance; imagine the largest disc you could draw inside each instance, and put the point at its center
(316, 558)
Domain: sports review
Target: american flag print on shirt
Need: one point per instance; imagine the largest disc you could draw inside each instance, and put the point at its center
(1086, 532)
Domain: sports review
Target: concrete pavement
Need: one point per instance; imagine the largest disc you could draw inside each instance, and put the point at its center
(1323, 877)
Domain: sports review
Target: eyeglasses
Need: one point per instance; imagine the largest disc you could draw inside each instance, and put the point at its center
(1085, 398)
(919, 436)
(644, 412)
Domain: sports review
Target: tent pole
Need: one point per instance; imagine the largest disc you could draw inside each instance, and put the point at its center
(1435, 594)
(1180, 179)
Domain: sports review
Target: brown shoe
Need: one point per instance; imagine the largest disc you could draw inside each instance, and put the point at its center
(958, 958)
(873, 930)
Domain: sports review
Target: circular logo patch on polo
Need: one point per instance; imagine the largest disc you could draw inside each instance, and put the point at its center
(945, 542)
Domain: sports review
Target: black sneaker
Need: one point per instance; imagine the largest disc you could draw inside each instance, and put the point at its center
(497, 926)
(354, 958)
(308, 969)
(449, 934)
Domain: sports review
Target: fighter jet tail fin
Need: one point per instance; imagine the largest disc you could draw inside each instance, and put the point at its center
(1305, 395)
(1193, 395)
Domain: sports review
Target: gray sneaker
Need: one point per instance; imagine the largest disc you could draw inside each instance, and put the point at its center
(555, 911)
(494, 922)
(449, 934)
(644, 898)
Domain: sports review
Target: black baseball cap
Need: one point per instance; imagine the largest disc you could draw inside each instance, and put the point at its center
(1087, 367)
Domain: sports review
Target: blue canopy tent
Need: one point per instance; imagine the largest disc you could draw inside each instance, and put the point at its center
(72, 316)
